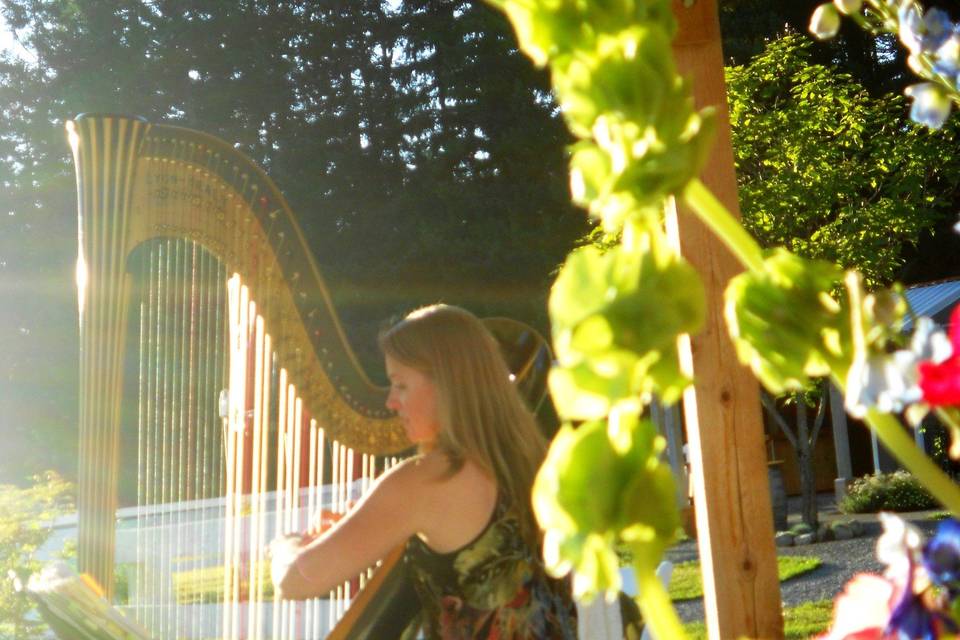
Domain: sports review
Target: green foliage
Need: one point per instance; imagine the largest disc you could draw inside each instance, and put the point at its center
(205, 585)
(602, 484)
(829, 172)
(807, 620)
(686, 582)
(783, 321)
(616, 313)
(622, 344)
(897, 491)
(25, 514)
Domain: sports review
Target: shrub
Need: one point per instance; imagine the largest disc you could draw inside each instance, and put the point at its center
(897, 491)
(24, 515)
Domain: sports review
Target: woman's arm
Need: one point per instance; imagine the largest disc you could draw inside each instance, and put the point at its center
(306, 567)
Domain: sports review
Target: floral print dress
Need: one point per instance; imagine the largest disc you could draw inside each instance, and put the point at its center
(493, 588)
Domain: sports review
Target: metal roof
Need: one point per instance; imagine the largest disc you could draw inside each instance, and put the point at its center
(934, 300)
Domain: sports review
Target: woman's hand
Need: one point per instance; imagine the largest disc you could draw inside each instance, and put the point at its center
(288, 581)
(339, 547)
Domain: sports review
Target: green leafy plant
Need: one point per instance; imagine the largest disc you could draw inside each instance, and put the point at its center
(898, 491)
(640, 142)
(829, 171)
(25, 515)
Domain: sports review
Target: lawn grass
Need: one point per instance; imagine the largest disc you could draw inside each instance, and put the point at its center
(685, 582)
(799, 623)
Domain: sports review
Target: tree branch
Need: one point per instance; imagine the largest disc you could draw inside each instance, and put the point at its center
(771, 408)
(821, 412)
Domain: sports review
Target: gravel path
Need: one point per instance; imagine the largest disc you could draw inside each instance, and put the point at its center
(840, 561)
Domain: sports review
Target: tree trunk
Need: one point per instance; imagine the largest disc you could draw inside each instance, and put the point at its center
(808, 488)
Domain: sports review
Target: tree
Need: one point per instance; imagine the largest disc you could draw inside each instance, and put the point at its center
(832, 173)
(802, 436)
(25, 517)
(422, 153)
(749, 25)
(828, 171)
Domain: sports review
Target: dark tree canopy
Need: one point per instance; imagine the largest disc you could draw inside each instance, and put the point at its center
(423, 155)
(749, 25)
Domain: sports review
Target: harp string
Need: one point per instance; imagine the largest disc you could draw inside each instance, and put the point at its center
(175, 456)
(176, 417)
(208, 481)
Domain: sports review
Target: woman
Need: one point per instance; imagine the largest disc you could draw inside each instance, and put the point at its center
(462, 504)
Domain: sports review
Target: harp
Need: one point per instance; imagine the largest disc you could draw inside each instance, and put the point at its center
(214, 371)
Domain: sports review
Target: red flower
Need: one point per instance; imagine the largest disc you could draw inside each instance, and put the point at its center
(940, 383)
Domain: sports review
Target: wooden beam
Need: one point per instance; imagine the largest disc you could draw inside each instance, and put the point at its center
(841, 443)
(722, 408)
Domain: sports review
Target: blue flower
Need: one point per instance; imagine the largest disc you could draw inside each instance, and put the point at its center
(931, 105)
(923, 34)
(941, 556)
(911, 26)
(913, 617)
(938, 28)
(947, 59)
(911, 620)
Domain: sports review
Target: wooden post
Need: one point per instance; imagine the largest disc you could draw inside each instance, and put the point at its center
(722, 408)
(841, 443)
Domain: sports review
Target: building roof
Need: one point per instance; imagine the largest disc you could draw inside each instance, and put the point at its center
(934, 300)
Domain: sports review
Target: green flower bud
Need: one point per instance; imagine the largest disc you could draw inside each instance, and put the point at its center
(630, 74)
(596, 487)
(590, 175)
(783, 322)
(545, 33)
(623, 342)
(825, 22)
(551, 30)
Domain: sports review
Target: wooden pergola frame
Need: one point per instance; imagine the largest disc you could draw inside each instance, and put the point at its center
(722, 409)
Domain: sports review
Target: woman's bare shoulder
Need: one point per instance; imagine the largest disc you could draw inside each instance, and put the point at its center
(430, 474)
(421, 471)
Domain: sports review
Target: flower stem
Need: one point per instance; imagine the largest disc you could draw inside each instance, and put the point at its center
(948, 417)
(655, 605)
(716, 216)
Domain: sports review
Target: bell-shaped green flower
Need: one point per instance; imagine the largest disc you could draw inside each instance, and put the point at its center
(642, 136)
(630, 74)
(552, 29)
(596, 488)
(621, 343)
(545, 30)
(848, 7)
(783, 321)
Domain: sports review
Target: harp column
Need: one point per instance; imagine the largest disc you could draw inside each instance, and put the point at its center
(105, 151)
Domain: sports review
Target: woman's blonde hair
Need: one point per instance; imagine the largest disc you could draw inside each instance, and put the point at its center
(482, 416)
